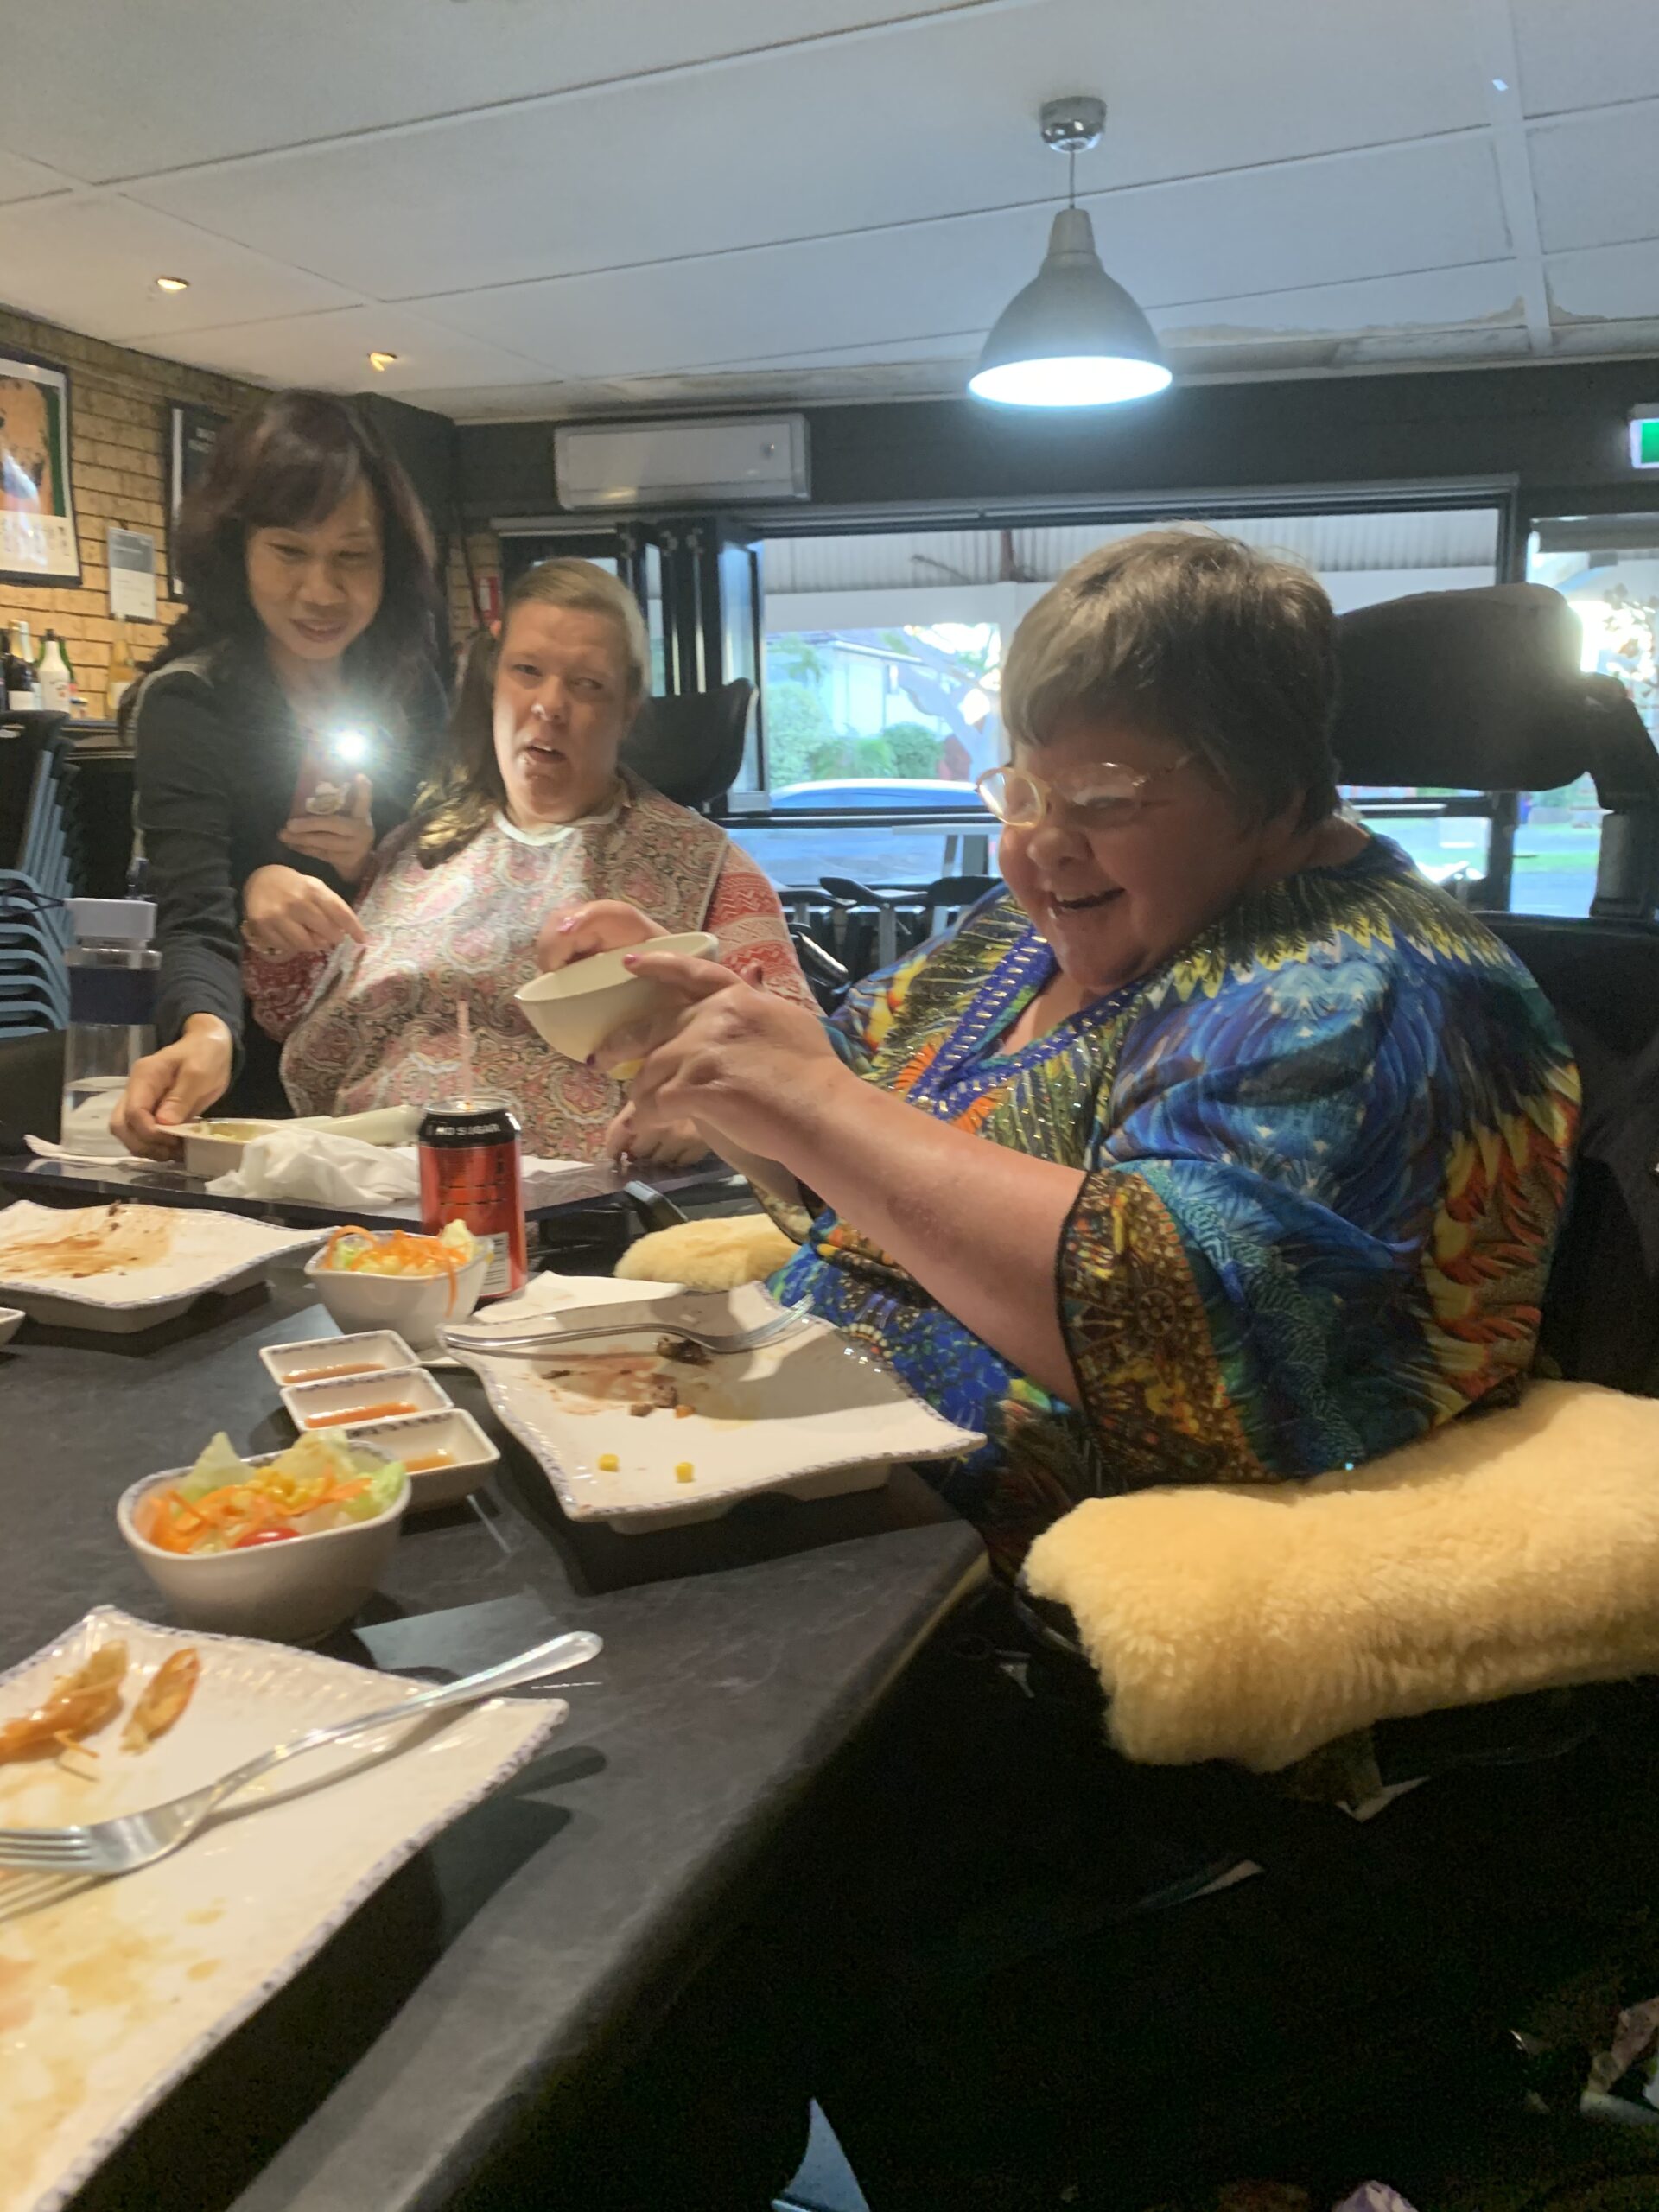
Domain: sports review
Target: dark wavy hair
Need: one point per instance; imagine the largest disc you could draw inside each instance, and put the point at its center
(287, 461)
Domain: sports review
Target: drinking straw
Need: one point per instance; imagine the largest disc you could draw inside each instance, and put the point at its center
(464, 1024)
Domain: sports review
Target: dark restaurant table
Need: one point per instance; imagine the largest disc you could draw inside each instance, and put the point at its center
(551, 1924)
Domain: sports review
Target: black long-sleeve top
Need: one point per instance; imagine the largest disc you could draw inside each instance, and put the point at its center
(218, 750)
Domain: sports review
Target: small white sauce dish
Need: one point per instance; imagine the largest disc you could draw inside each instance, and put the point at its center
(416, 1436)
(314, 1405)
(380, 1349)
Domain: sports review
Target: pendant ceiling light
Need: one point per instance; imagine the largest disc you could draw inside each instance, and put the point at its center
(1073, 337)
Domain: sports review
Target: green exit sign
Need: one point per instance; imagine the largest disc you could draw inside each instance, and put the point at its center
(1644, 440)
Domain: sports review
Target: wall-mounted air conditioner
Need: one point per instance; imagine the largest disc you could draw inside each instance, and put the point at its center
(667, 464)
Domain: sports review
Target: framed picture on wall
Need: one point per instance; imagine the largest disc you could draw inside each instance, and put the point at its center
(191, 431)
(38, 542)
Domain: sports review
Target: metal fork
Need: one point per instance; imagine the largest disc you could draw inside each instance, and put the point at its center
(530, 1344)
(117, 1847)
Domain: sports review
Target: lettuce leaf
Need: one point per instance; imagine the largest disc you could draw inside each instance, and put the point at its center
(387, 1481)
(217, 1465)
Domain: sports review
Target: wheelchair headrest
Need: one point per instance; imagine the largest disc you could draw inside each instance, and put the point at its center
(690, 747)
(1479, 690)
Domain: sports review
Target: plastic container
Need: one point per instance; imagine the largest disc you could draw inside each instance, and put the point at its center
(113, 970)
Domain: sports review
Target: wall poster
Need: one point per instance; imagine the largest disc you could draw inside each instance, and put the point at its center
(38, 542)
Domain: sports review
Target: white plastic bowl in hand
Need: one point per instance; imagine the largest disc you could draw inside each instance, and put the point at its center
(293, 1593)
(416, 1306)
(575, 1010)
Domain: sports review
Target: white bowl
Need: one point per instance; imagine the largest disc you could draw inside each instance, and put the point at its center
(575, 1010)
(12, 1319)
(416, 1306)
(293, 1593)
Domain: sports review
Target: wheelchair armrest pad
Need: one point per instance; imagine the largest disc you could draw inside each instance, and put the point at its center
(1504, 1551)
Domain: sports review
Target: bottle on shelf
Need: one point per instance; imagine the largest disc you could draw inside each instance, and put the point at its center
(22, 685)
(55, 674)
(123, 672)
(113, 973)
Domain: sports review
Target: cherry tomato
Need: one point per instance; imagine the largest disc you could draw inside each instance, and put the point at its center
(279, 1536)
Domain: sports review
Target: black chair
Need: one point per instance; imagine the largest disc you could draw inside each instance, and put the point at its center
(690, 746)
(1481, 690)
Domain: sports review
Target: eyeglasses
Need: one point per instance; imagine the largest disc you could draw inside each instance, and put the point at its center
(1106, 794)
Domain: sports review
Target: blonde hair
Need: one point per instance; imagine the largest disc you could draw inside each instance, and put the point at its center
(466, 795)
(1230, 652)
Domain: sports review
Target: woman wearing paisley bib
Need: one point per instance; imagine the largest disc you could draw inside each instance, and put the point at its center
(533, 850)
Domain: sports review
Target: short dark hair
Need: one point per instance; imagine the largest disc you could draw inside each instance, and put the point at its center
(289, 459)
(1229, 650)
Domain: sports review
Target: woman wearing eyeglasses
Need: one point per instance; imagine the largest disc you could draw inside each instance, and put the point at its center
(1220, 1146)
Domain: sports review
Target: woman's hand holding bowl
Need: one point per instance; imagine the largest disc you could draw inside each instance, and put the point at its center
(572, 933)
(749, 1068)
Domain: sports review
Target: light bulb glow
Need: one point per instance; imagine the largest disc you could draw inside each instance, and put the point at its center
(349, 747)
(382, 361)
(172, 283)
(1070, 380)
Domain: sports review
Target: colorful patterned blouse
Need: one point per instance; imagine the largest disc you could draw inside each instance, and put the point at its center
(1325, 1148)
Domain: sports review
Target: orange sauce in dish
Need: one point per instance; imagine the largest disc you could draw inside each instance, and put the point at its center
(336, 1374)
(384, 1411)
(427, 1460)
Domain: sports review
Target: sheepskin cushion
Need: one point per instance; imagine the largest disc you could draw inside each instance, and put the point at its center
(1511, 1551)
(708, 1255)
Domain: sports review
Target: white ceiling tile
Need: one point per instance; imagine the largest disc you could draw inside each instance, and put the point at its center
(1597, 176)
(213, 78)
(1586, 52)
(922, 123)
(503, 403)
(1441, 299)
(1382, 213)
(91, 262)
(332, 350)
(24, 180)
(1612, 283)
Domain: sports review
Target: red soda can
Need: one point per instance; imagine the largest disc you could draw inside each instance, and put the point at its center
(472, 1170)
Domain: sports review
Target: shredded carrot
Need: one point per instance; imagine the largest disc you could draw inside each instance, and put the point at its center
(416, 1254)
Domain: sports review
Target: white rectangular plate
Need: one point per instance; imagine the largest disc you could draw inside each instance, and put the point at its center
(173, 1253)
(812, 1414)
(111, 1992)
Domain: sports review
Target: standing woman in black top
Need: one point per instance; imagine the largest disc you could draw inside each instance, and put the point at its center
(282, 728)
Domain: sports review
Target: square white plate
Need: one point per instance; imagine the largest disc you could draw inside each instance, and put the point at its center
(812, 1415)
(111, 1992)
(172, 1255)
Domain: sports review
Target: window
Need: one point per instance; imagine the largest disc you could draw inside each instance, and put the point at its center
(883, 656)
(1607, 567)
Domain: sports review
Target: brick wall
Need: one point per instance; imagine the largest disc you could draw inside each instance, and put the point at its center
(483, 549)
(117, 428)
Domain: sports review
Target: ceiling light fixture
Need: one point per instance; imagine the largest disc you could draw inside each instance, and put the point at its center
(382, 361)
(172, 283)
(1073, 337)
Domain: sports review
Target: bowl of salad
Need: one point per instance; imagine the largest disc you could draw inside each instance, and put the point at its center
(392, 1279)
(287, 1545)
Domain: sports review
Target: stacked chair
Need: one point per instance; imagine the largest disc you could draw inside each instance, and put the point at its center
(39, 865)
